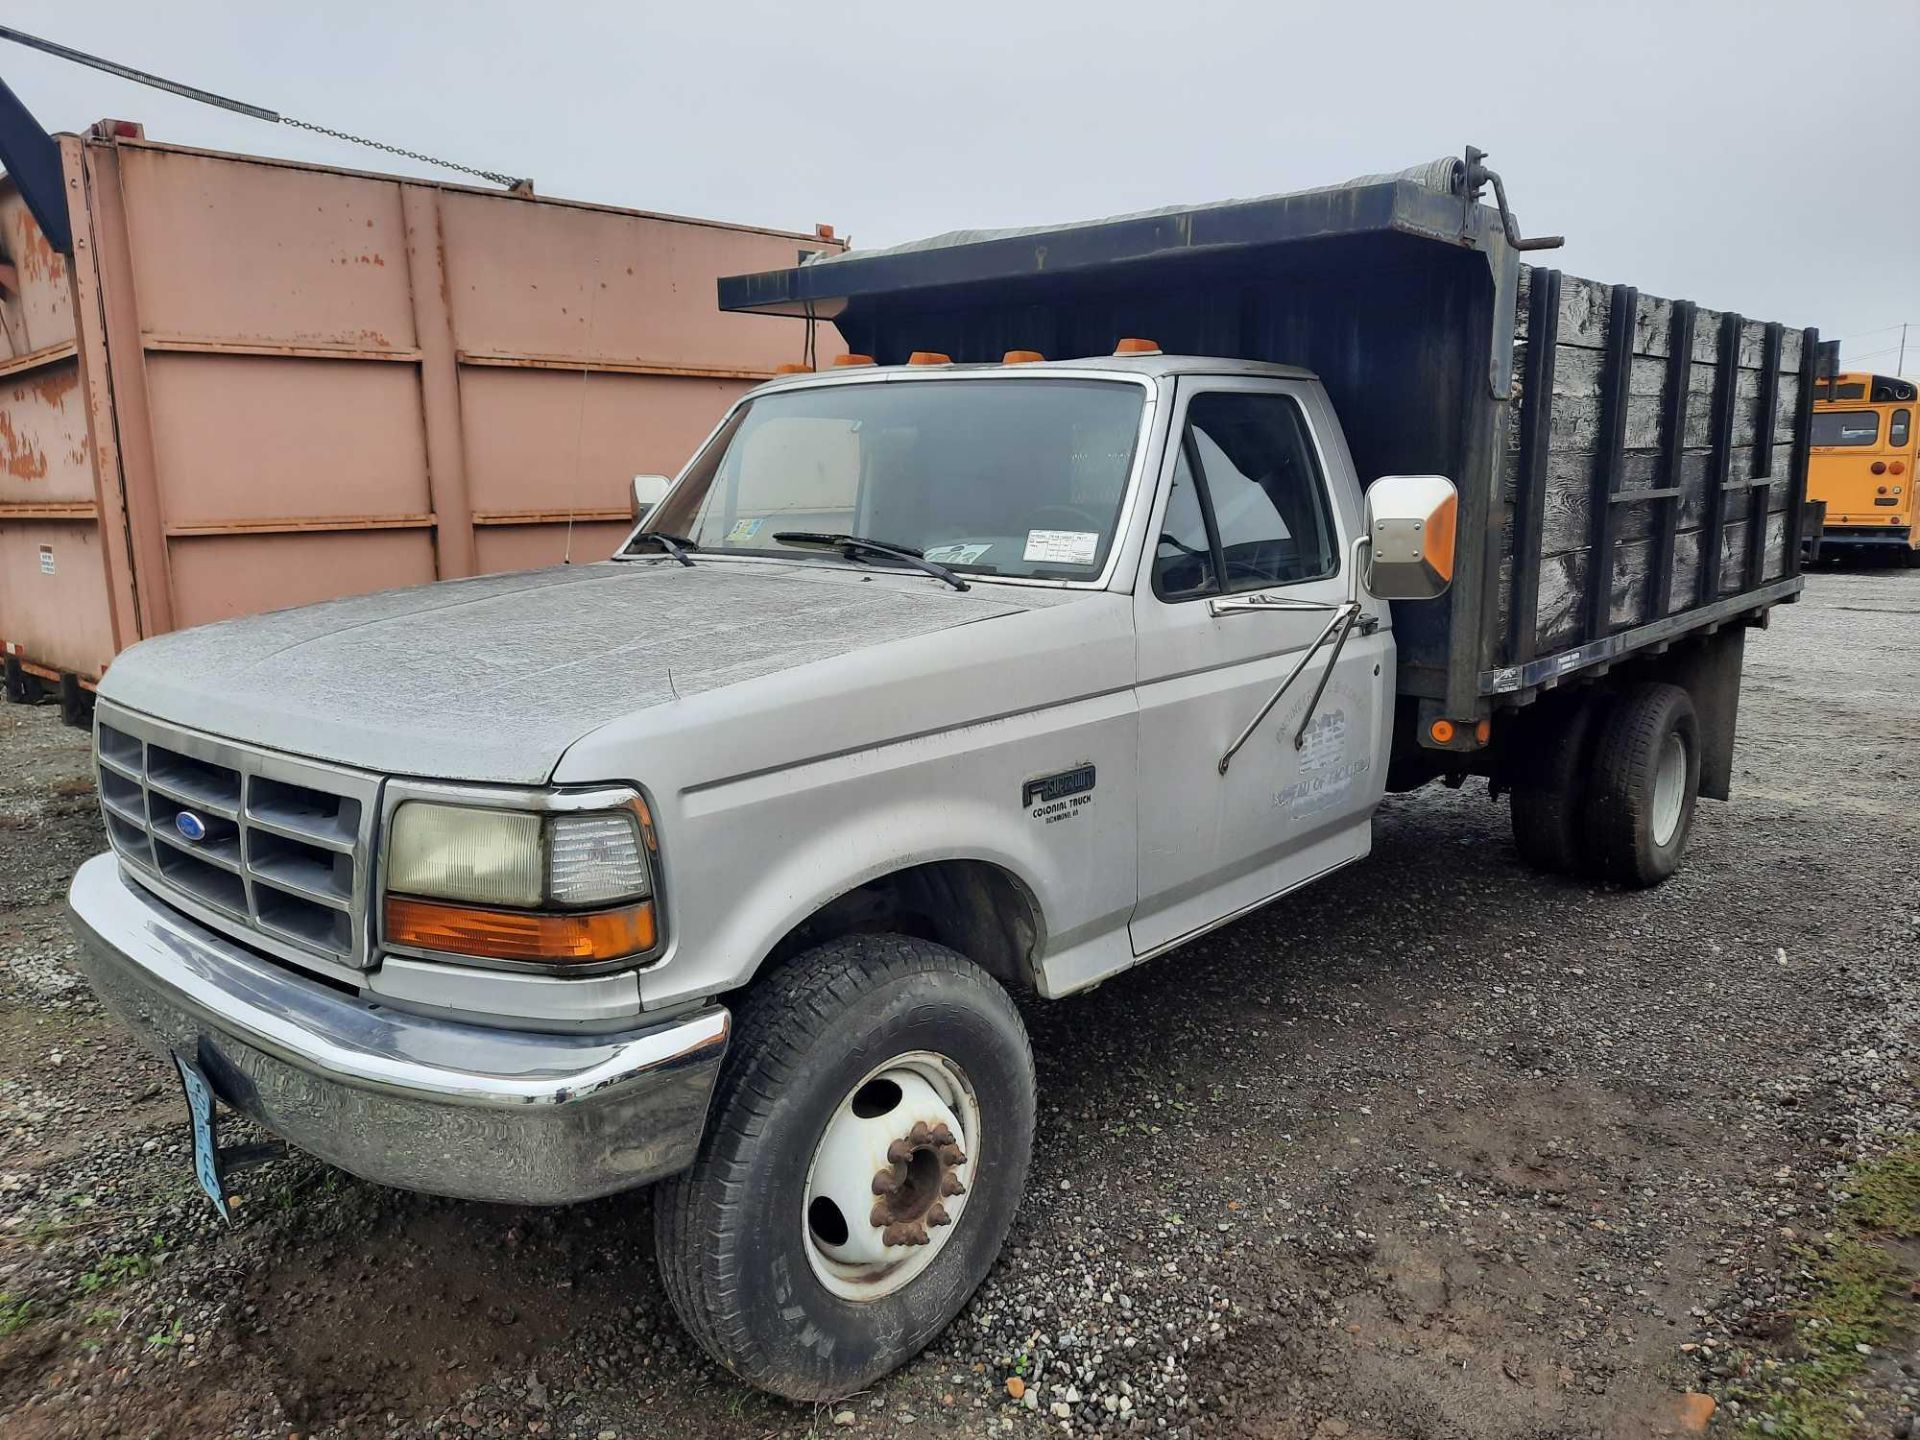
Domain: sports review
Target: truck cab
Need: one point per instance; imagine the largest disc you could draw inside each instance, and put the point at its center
(1131, 506)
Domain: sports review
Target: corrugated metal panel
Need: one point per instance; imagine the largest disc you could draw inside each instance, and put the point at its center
(326, 382)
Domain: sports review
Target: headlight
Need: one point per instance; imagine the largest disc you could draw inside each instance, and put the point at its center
(491, 857)
(543, 887)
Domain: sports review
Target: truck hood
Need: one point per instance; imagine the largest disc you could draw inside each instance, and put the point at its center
(491, 679)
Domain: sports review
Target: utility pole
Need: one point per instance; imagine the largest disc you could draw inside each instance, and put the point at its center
(1901, 367)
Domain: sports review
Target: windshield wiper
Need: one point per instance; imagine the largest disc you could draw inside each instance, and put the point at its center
(675, 545)
(852, 545)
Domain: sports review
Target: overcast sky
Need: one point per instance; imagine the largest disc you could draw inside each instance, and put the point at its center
(1752, 155)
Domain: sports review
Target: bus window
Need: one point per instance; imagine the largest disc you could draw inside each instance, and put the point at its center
(1845, 427)
(1897, 427)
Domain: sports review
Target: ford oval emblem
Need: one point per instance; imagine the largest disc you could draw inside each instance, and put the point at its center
(190, 825)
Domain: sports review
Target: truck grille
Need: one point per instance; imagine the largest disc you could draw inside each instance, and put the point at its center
(271, 849)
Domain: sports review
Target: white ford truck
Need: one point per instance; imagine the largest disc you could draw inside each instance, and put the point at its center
(931, 682)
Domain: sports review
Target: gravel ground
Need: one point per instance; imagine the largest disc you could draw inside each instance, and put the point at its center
(1438, 1148)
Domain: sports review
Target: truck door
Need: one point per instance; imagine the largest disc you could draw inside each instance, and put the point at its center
(1246, 505)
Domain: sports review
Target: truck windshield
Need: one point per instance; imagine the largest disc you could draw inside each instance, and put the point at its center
(1021, 478)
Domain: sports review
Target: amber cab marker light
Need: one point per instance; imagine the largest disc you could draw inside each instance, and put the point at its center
(792, 367)
(853, 360)
(1441, 731)
(929, 357)
(1134, 345)
(520, 935)
(1022, 357)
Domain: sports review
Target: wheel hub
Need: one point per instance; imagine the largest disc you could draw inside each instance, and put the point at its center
(921, 1172)
(888, 1183)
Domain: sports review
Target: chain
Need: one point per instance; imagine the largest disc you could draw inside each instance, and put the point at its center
(509, 181)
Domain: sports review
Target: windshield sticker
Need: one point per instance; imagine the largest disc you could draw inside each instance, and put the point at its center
(1062, 547)
(957, 554)
(744, 530)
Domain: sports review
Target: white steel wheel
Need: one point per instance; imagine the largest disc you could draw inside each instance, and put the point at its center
(1669, 789)
(888, 1183)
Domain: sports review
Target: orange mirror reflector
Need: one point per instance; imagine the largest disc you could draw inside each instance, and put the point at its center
(541, 938)
(1437, 547)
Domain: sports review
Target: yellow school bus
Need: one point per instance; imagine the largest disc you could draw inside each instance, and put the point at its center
(1866, 446)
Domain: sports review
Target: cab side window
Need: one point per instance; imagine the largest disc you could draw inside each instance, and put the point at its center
(1249, 508)
(1183, 564)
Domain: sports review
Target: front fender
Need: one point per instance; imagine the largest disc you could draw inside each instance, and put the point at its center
(750, 859)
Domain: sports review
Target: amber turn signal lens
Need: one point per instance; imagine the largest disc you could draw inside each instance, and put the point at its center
(1441, 731)
(520, 935)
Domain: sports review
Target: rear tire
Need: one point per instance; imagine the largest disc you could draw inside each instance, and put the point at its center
(761, 1250)
(1550, 784)
(1646, 778)
(23, 688)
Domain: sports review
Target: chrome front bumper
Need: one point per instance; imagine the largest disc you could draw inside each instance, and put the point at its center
(446, 1107)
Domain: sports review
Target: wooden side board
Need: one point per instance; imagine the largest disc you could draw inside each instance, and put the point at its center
(1653, 456)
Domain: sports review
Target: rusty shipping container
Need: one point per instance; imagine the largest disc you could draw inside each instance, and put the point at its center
(262, 383)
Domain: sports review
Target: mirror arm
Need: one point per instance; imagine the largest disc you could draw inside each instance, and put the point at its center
(1337, 629)
(1342, 617)
(1333, 659)
(1362, 545)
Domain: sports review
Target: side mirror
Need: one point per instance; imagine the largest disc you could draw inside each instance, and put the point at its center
(648, 491)
(1410, 520)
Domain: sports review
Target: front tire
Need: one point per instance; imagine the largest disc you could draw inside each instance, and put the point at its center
(811, 1249)
(1645, 781)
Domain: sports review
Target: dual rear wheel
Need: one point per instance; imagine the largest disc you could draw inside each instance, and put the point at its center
(1605, 784)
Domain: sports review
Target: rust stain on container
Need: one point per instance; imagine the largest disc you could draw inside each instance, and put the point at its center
(53, 389)
(326, 381)
(19, 456)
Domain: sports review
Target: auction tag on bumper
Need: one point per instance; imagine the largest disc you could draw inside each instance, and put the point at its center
(206, 1153)
(1062, 547)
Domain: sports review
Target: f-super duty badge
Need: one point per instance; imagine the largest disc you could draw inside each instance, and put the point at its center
(1050, 798)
